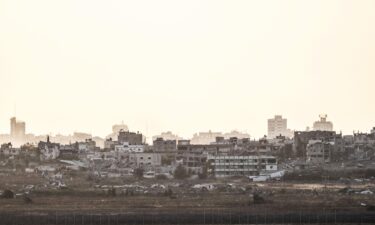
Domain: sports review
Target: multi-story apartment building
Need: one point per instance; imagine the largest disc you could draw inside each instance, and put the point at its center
(242, 165)
(323, 124)
(318, 151)
(161, 145)
(130, 137)
(278, 126)
(17, 131)
(127, 148)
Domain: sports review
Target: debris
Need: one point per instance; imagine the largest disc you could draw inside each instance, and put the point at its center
(204, 187)
(347, 190)
(366, 192)
(160, 186)
(278, 174)
(259, 178)
(29, 170)
(27, 200)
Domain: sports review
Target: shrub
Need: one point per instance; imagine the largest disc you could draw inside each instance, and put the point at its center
(180, 172)
(7, 194)
(258, 199)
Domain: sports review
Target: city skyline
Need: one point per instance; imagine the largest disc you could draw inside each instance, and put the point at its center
(187, 112)
(282, 130)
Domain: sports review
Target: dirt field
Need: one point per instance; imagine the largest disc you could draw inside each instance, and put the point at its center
(130, 195)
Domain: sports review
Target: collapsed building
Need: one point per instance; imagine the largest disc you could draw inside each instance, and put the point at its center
(49, 150)
(318, 151)
(302, 138)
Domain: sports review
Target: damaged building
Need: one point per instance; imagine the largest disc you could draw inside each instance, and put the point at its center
(319, 152)
(224, 166)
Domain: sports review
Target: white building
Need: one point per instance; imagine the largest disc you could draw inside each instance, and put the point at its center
(323, 124)
(17, 132)
(278, 126)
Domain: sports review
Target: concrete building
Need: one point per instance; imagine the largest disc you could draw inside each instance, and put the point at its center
(130, 137)
(224, 166)
(323, 124)
(17, 131)
(68, 152)
(192, 161)
(236, 134)
(146, 160)
(48, 150)
(88, 145)
(8, 150)
(213, 149)
(79, 136)
(319, 152)
(278, 126)
(125, 147)
(167, 136)
(302, 138)
(205, 138)
(110, 144)
(116, 130)
(161, 145)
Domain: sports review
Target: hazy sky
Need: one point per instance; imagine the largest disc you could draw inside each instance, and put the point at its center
(186, 66)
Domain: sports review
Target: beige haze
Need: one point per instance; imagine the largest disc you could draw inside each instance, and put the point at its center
(186, 66)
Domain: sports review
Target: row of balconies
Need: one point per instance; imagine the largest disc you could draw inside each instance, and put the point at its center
(238, 163)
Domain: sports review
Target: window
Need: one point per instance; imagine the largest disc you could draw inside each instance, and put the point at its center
(271, 160)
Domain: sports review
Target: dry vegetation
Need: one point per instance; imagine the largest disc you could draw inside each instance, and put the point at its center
(86, 195)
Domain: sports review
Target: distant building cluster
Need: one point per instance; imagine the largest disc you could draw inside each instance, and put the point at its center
(207, 153)
(209, 137)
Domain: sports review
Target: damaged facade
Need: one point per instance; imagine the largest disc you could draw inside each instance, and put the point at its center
(224, 166)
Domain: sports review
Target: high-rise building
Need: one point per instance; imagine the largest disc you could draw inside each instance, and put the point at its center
(278, 126)
(116, 130)
(323, 124)
(17, 131)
